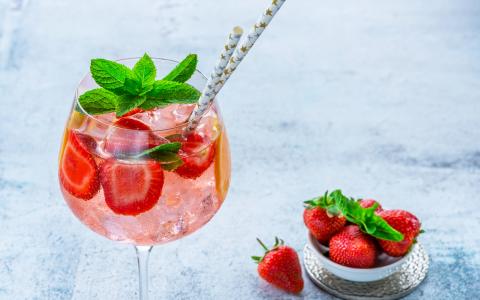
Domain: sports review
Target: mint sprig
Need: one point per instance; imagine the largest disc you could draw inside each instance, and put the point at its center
(165, 153)
(365, 218)
(123, 89)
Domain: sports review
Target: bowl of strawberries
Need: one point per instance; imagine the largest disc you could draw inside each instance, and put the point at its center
(358, 240)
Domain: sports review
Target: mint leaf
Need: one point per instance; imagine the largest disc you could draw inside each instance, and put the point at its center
(166, 153)
(184, 70)
(365, 218)
(109, 74)
(173, 165)
(385, 232)
(98, 101)
(170, 147)
(145, 70)
(170, 92)
(126, 103)
(133, 85)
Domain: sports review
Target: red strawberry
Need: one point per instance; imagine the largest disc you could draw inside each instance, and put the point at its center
(366, 203)
(322, 218)
(353, 248)
(78, 171)
(130, 136)
(406, 223)
(131, 188)
(197, 154)
(280, 266)
(133, 112)
(321, 224)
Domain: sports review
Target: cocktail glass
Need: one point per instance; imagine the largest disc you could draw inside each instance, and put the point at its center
(137, 200)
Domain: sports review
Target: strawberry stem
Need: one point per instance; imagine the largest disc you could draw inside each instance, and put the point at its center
(263, 245)
(278, 242)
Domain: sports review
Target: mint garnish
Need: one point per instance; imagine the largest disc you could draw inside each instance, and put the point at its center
(165, 153)
(145, 71)
(166, 92)
(369, 222)
(98, 101)
(123, 90)
(126, 103)
(184, 70)
(109, 75)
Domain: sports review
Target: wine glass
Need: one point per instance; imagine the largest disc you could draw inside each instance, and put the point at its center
(137, 200)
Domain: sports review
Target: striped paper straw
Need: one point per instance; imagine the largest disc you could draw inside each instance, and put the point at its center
(248, 43)
(233, 62)
(208, 93)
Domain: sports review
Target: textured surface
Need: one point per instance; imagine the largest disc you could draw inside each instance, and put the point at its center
(401, 283)
(380, 98)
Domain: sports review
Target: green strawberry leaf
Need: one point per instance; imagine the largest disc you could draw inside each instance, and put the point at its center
(184, 70)
(145, 70)
(98, 101)
(109, 74)
(257, 259)
(126, 103)
(325, 202)
(312, 203)
(170, 92)
(165, 153)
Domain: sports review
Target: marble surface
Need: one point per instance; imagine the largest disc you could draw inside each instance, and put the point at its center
(380, 98)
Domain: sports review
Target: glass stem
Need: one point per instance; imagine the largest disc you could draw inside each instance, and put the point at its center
(143, 253)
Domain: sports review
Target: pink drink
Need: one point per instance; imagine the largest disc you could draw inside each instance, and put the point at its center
(189, 197)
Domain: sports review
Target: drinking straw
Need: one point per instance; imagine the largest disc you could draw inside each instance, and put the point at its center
(240, 52)
(208, 92)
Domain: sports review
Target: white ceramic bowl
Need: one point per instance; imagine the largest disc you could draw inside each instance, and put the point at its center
(387, 264)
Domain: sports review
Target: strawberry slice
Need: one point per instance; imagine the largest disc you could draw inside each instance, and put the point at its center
(197, 155)
(131, 136)
(131, 123)
(131, 188)
(78, 171)
(88, 142)
(133, 112)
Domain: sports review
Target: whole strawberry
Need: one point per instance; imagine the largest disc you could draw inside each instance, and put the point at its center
(366, 203)
(404, 222)
(322, 218)
(280, 266)
(353, 248)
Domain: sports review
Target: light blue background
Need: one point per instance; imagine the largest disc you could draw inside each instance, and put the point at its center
(380, 98)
